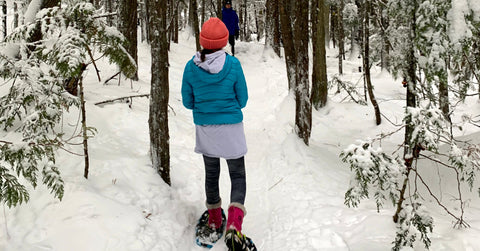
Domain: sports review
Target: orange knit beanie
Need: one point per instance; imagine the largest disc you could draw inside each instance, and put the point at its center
(214, 34)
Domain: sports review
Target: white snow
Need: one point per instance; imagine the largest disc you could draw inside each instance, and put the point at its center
(295, 193)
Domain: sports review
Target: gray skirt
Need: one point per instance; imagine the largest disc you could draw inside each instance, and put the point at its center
(221, 141)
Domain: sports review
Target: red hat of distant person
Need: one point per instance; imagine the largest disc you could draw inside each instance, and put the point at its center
(214, 34)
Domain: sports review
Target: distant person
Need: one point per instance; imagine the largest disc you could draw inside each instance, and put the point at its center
(230, 18)
(214, 87)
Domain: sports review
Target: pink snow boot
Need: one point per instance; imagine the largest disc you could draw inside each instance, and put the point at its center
(236, 212)
(215, 218)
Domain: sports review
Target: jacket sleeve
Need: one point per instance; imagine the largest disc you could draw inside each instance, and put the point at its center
(241, 90)
(187, 91)
(237, 28)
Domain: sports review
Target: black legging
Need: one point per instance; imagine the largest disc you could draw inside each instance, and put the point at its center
(231, 41)
(236, 168)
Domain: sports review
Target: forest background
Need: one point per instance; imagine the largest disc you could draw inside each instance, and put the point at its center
(431, 47)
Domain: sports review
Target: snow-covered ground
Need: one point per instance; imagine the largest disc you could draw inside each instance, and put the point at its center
(295, 193)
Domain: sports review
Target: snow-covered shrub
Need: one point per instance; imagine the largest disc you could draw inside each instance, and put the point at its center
(388, 177)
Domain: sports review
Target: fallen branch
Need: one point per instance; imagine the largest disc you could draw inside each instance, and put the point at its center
(112, 77)
(122, 99)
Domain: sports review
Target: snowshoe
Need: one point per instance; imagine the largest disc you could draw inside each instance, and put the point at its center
(206, 236)
(236, 241)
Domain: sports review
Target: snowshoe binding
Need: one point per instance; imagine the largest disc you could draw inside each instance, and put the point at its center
(236, 241)
(206, 236)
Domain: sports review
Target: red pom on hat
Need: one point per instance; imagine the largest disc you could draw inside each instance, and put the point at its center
(214, 34)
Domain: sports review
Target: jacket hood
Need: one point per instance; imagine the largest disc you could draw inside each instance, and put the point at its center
(213, 63)
(206, 76)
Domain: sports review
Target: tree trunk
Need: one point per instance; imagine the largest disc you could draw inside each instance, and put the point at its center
(219, 8)
(410, 151)
(366, 62)
(319, 74)
(259, 20)
(303, 114)
(127, 13)
(203, 12)
(326, 22)
(15, 15)
(385, 47)
(272, 38)
(194, 22)
(175, 24)
(333, 24)
(245, 22)
(4, 19)
(240, 21)
(443, 99)
(340, 35)
(109, 8)
(84, 130)
(276, 33)
(159, 93)
(288, 45)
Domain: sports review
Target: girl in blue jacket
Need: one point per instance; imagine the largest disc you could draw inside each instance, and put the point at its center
(214, 87)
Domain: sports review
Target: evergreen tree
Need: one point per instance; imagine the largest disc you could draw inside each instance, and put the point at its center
(32, 109)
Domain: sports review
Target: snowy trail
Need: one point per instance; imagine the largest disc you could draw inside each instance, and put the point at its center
(282, 205)
(295, 193)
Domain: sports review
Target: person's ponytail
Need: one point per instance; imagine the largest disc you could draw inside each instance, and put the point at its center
(204, 52)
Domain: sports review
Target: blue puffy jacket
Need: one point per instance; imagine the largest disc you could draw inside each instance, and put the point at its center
(230, 19)
(215, 98)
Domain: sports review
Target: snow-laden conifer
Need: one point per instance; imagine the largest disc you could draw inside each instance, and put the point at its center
(31, 112)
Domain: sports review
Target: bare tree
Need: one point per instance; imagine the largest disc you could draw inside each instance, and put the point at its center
(159, 93)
